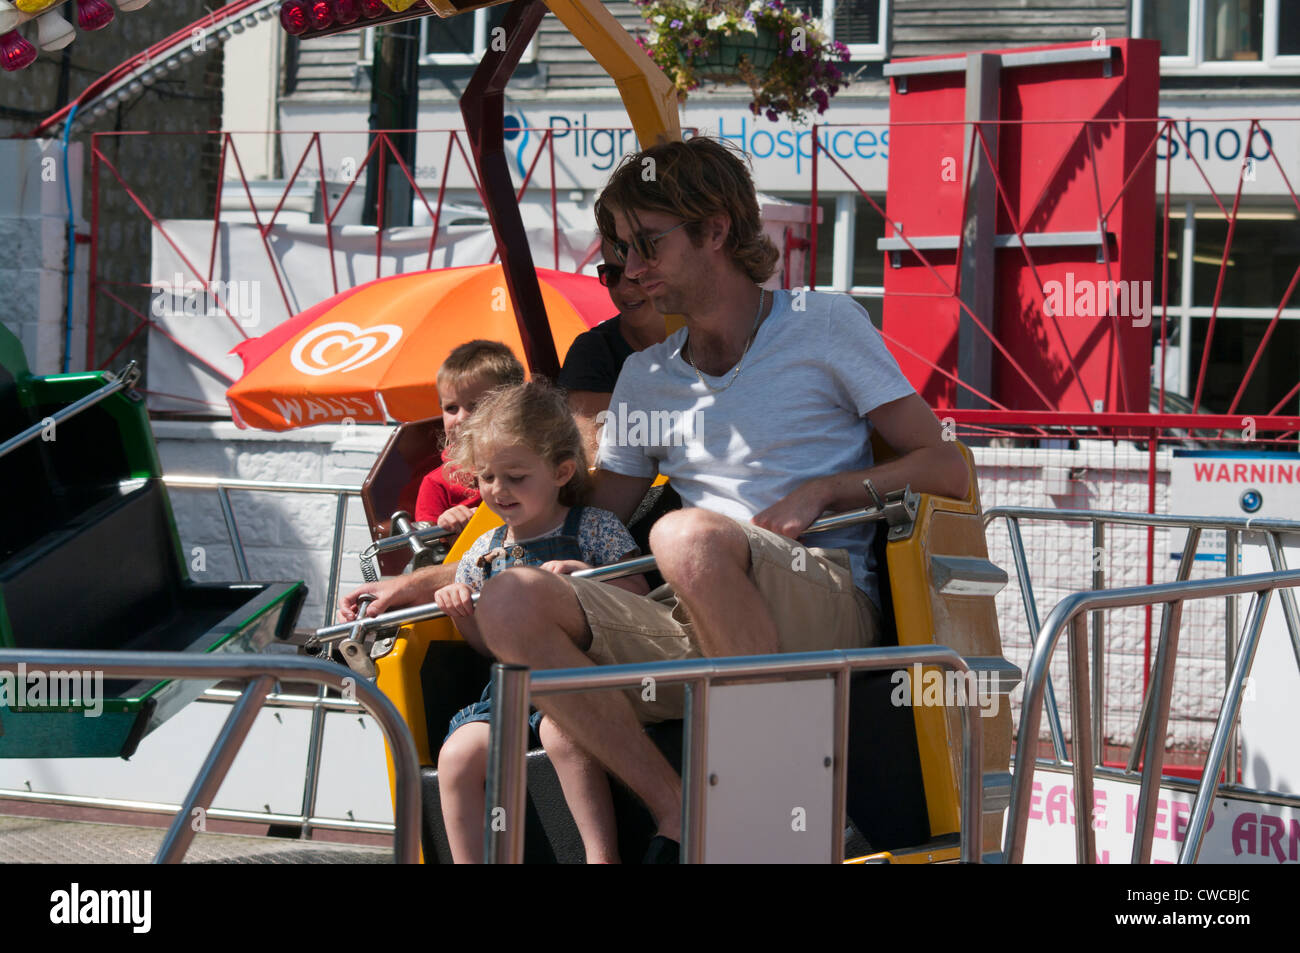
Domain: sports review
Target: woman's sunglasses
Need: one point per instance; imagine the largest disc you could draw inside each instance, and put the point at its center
(609, 275)
(643, 243)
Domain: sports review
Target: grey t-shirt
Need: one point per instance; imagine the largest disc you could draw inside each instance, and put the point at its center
(796, 412)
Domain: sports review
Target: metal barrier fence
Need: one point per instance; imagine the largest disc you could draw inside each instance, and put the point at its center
(513, 686)
(259, 673)
(1233, 527)
(1070, 613)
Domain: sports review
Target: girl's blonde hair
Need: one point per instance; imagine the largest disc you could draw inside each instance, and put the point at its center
(533, 415)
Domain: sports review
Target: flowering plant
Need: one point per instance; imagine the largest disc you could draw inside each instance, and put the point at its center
(785, 58)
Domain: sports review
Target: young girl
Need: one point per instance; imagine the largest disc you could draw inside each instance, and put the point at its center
(524, 447)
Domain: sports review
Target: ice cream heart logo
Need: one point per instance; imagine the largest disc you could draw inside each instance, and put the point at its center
(359, 347)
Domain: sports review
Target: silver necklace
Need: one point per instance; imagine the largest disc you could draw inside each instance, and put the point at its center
(739, 364)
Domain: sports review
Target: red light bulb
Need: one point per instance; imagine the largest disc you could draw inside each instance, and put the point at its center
(320, 15)
(373, 8)
(293, 17)
(347, 11)
(15, 52)
(94, 14)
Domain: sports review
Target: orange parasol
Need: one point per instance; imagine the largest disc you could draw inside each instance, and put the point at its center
(373, 352)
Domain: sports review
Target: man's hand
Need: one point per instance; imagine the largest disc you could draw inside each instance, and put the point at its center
(564, 566)
(457, 600)
(397, 592)
(794, 513)
(456, 518)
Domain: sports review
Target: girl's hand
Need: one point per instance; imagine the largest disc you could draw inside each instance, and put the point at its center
(563, 567)
(456, 600)
(455, 519)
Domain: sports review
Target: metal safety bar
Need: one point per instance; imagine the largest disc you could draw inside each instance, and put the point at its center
(1070, 612)
(260, 674)
(898, 507)
(128, 378)
(513, 687)
(1233, 526)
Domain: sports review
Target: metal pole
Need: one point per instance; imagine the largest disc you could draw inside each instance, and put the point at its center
(1230, 645)
(972, 802)
(336, 554)
(213, 773)
(1223, 732)
(1190, 546)
(236, 544)
(311, 779)
(1162, 684)
(507, 788)
(1031, 617)
(839, 767)
(1085, 837)
(695, 766)
(1278, 558)
(1098, 644)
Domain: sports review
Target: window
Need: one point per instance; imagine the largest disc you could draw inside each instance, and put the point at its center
(458, 41)
(858, 24)
(1222, 36)
(462, 40)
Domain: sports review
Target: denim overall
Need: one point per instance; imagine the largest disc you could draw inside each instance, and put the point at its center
(499, 559)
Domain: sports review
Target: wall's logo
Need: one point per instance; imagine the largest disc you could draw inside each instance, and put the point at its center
(354, 348)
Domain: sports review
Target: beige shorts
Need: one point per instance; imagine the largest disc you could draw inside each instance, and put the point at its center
(812, 599)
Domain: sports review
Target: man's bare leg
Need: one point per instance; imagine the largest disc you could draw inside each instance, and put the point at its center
(704, 556)
(533, 618)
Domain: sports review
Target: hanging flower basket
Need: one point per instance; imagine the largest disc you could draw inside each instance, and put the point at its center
(722, 63)
(780, 52)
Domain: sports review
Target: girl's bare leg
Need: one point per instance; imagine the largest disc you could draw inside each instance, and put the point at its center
(586, 789)
(462, 774)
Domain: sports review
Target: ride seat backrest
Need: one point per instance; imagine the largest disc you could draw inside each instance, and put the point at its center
(100, 581)
(32, 505)
(393, 483)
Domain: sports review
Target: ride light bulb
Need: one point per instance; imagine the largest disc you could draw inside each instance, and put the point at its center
(11, 16)
(347, 11)
(127, 6)
(373, 8)
(94, 14)
(320, 15)
(293, 17)
(53, 32)
(15, 52)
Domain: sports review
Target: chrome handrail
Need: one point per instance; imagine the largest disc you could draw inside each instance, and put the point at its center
(259, 673)
(513, 686)
(627, 567)
(1070, 611)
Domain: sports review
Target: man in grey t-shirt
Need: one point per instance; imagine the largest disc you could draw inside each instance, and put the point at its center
(759, 410)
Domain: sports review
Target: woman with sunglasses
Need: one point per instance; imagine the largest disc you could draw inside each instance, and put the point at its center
(591, 367)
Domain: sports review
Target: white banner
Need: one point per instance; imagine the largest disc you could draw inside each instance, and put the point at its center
(1238, 831)
(257, 284)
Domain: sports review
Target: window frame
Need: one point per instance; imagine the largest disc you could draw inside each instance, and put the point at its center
(1195, 63)
(858, 51)
(448, 59)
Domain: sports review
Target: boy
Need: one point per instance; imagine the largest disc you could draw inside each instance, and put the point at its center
(470, 371)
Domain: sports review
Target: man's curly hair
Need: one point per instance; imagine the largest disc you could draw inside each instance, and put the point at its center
(692, 180)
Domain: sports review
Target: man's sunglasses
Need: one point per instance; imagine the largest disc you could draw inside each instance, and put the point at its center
(643, 244)
(609, 275)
